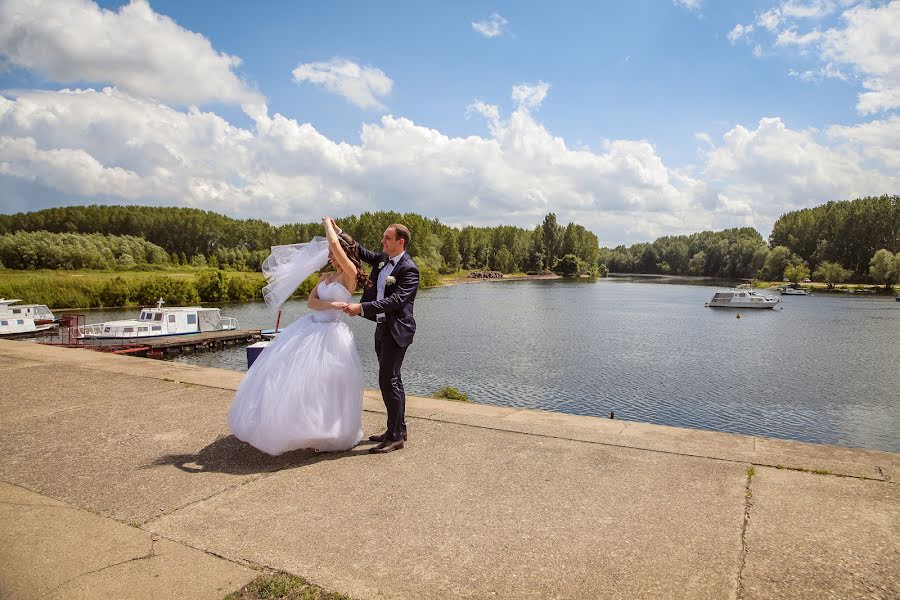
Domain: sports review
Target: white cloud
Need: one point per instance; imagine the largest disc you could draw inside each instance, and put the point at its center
(812, 9)
(770, 19)
(871, 44)
(363, 86)
(738, 32)
(133, 48)
(826, 71)
(790, 37)
(774, 169)
(693, 5)
(530, 96)
(866, 47)
(491, 27)
(109, 146)
(878, 140)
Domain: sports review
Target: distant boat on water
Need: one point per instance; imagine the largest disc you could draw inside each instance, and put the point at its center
(741, 299)
(793, 290)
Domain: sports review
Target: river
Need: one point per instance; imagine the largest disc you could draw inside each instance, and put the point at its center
(823, 368)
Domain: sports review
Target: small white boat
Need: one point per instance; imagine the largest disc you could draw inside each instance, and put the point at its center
(39, 313)
(21, 327)
(159, 321)
(741, 299)
(793, 291)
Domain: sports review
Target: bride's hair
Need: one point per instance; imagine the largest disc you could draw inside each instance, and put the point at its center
(350, 249)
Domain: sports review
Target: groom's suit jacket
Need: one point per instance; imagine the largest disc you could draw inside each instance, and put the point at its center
(399, 297)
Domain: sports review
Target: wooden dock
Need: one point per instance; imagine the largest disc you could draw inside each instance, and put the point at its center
(210, 340)
(169, 345)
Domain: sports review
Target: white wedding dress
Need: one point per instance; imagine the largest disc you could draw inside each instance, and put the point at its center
(305, 389)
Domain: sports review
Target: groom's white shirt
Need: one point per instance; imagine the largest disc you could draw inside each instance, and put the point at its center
(382, 281)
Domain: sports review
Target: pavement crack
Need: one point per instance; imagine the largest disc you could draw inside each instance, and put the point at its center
(151, 554)
(748, 506)
(29, 504)
(881, 472)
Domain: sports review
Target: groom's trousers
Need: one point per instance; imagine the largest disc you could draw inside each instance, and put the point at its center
(390, 359)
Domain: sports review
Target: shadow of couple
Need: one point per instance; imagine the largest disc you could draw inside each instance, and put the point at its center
(227, 454)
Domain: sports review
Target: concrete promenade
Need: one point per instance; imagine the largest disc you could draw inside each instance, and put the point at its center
(119, 479)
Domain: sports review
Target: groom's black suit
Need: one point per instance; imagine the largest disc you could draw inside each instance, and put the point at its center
(394, 334)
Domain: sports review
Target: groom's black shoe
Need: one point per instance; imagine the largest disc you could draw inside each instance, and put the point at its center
(381, 436)
(385, 447)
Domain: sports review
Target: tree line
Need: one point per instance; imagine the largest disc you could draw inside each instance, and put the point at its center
(835, 242)
(200, 238)
(44, 250)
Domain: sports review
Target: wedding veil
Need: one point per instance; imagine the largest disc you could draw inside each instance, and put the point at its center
(287, 266)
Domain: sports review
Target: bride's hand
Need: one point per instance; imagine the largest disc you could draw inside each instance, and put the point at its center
(338, 305)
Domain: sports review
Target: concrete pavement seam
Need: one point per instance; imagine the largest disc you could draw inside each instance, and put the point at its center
(670, 452)
(748, 505)
(233, 486)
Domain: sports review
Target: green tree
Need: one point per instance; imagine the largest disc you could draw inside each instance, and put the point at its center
(503, 260)
(831, 273)
(796, 273)
(567, 265)
(212, 286)
(885, 267)
(697, 264)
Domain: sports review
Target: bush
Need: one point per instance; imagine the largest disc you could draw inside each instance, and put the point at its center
(174, 292)
(428, 277)
(212, 286)
(568, 265)
(244, 289)
(116, 292)
(451, 393)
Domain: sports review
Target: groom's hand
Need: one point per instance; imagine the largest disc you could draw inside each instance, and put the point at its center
(354, 310)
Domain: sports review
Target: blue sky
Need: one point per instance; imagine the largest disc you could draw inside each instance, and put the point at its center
(636, 119)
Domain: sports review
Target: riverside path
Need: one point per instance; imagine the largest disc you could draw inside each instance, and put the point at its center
(119, 479)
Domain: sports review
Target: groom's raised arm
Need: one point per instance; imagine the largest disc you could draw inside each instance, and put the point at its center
(367, 255)
(407, 284)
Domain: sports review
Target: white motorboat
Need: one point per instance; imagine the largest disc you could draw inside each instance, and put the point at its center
(21, 327)
(39, 313)
(788, 290)
(741, 299)
(159, 321)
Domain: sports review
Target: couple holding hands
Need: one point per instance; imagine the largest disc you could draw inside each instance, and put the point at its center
(305, 390)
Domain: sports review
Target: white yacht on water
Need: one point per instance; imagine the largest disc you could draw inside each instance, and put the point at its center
(793, 290)
(159, 321)
(741, 299)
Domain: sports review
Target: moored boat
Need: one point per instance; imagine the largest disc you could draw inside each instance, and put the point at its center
(39, 313)
(741, 299)
(792, 290)
(159, 321)
(21, 327)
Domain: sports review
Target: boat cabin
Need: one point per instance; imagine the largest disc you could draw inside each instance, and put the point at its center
(39, 313)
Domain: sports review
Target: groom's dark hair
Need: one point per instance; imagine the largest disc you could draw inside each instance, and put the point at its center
(402, 233)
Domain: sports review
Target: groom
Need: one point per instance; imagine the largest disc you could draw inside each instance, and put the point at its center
(390, 304)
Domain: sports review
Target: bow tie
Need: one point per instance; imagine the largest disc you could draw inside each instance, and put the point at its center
(392, 262)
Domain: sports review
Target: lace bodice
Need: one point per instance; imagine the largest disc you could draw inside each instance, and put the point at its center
(331, 292)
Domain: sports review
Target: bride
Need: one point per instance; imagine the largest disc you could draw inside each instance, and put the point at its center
(305, 389)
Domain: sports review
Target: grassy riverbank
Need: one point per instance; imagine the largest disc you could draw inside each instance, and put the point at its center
(114, 288)
(841, 288)
(84, 288)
